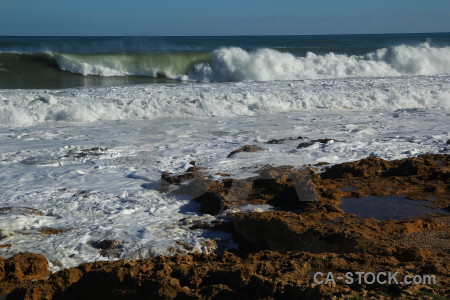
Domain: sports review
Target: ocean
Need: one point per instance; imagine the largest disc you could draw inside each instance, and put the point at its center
(64, 62)
(89, 124)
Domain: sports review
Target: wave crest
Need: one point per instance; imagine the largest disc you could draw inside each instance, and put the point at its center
(236, 64)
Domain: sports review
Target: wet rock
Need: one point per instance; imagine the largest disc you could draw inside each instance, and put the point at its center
(177, 179)
(189, 174)
(280, 141)
(50, 230)
(448, 142)
(305, 144)
(21, 211)
(197, 186)
(211, 203)
(96, 151)
(223, 174)
(325, 140)
(108, 248)
(312, 142)
(322, 163)
(246, 148)
(284, 187)
(106, 244)
(218, 225)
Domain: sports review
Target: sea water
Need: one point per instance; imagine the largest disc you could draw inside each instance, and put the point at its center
(89, 124)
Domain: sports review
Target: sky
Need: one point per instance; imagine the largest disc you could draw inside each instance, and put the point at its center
(212, 17)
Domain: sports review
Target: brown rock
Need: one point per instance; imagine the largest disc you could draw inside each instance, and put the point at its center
(21, 268)
(50, 230)
(282, 249)
(284, 231)
(261, 275)
(26, 266)
(21, 210)
(412, 254)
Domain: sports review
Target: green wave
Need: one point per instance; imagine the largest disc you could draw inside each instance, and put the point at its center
(59, 70)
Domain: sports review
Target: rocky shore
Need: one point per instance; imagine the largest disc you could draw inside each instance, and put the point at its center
(309, 230)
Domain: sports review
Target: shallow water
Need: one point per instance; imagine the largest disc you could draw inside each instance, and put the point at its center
(387, 208)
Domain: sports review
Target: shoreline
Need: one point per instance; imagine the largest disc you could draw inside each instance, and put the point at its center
(279, 249)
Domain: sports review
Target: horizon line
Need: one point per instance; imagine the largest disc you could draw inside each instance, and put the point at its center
(224, 35)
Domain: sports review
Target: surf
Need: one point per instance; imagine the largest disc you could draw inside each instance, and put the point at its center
(236, 64)
(200, 100)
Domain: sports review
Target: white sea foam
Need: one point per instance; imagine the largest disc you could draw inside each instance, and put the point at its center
(26, 107)
(236, 64)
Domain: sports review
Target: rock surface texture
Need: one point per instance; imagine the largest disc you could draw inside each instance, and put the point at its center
(280, 250)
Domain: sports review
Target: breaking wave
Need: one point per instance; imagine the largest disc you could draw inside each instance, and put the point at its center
(236, 64)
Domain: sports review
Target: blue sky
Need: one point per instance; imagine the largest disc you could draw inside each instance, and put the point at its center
(232, 17)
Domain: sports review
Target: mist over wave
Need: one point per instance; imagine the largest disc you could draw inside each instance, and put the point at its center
(140, 102)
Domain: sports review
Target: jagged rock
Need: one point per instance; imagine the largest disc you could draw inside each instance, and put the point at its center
(21, 268)
(261, 275)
